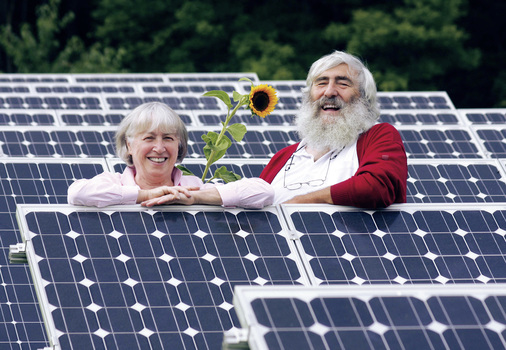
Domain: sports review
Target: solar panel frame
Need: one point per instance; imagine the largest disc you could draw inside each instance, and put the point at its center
(47, 297)
(398, 117)
(483, 116)
(455, 181)
(28, 181)
(382, 230)
(443, 141)
(492, 139)
(370, 320)
(32, 117)
(50, 101)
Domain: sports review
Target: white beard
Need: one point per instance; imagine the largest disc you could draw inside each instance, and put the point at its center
(325, 133)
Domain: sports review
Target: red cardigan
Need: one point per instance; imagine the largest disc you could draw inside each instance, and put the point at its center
(382, 170)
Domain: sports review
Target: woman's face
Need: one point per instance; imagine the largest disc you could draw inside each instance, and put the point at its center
(154, 154)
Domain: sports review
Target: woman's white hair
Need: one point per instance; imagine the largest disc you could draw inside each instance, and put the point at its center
(147, 117)
(358, 70)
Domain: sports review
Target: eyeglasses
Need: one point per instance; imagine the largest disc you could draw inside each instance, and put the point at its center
(312, 183)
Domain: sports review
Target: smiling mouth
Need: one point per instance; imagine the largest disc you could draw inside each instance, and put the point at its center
(331, 108)
(157, 160)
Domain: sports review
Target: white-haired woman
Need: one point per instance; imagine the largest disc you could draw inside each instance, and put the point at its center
(151, 140)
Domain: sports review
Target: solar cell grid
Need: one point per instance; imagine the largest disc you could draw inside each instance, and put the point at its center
(451, 181)
(63, 142)
(424, 317)
(50, 102)
(420, 118)
(26, 117)
(404, 245)
(492, 139)
(490, 116)
(25, 181)
(440, 142)
(414, 100)
(159, 279)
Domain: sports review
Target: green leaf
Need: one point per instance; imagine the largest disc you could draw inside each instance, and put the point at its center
(247, 79)
(226, 175)
(219, 149)
(238, 96)
(184, 170)
(237, 131)
(222, 95)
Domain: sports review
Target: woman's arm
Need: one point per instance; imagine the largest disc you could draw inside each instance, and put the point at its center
(102, 190)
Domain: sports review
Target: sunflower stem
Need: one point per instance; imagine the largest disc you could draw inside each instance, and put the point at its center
(220, 136)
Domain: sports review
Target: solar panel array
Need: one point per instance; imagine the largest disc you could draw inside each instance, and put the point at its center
(164, 278)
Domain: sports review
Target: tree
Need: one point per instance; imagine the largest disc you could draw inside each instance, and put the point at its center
(410, 45)
(40, 50)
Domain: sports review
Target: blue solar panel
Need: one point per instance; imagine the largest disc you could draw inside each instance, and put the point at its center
(281, 118)
(484, 116)
(455, 181)
(417, 117)
(24, 181)
(63, 142)
(50, 102)
(155, 279)
(414, 100)
(24, 117)
(493, 140)
(440, 142)
(244, 168)
(259, 142)
(407, 317)
(404, 244)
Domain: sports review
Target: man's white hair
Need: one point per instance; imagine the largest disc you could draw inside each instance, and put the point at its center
(367, 86)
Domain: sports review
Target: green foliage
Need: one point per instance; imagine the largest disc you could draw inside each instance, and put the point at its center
(40, 51)
(408, 45)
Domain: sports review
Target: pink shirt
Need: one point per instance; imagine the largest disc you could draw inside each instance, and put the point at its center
(120, 188)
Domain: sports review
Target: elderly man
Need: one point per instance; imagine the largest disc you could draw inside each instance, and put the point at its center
(344, 157)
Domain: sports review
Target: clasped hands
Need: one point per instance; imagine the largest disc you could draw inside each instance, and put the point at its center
(168, 195)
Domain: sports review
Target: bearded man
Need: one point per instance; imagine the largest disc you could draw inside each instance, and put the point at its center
(344, 157)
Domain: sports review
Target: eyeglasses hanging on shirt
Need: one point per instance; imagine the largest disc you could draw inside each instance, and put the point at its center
(312, 183)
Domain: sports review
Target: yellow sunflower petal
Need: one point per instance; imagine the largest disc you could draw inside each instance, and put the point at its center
(262, 99)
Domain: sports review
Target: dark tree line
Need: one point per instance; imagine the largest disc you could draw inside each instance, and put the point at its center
(453, 45)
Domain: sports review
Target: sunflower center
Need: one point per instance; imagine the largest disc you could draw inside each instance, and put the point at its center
(260, 100)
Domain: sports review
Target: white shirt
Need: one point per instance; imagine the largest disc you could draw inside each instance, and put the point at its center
(302, 171)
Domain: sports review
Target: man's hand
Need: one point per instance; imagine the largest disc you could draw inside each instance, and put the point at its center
(164, 195)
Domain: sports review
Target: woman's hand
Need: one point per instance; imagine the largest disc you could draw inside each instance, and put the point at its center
(165, 195)
(192, 195)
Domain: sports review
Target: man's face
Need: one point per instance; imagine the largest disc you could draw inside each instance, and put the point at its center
(334, 83)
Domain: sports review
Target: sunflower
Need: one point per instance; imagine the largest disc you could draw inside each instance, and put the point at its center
(262, 99)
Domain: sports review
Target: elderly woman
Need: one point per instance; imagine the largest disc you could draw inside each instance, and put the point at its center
(151, 139)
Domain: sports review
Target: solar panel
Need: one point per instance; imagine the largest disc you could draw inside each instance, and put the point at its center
(105, 118)
(31, 181)
(259, 142)
(243, 167)
(493, 139)
(129, 276)
(278, 118)
(403, 244)
(34, 101)
(373, 317)
(455, 181)
(419, 117)
(63, 142)
(485, 116)
(440, 142)
(414, 100)
(210, 77)
(17, 117)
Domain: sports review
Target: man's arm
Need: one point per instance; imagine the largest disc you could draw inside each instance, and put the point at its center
(320, 196)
